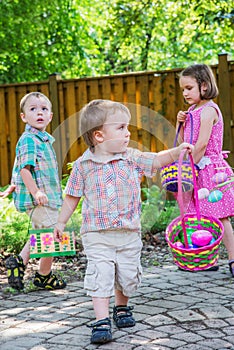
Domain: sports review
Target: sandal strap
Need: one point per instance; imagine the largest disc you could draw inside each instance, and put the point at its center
(53, 281)
(104, 323)
(123, 311)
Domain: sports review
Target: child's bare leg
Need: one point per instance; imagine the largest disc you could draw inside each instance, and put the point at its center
(25, 253)
(45, 266)
(101, 307)
(120, 299)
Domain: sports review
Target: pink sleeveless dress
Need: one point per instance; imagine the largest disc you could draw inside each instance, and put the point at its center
(224, 207)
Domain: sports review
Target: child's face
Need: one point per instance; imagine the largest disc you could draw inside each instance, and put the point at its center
(37, 113)
(115, 134)
(190, 90)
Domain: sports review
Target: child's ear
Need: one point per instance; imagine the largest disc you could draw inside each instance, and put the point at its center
(97, 135)
(203, 87)
(22, 116)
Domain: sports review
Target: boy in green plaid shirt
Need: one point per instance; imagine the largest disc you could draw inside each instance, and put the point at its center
(36, 187)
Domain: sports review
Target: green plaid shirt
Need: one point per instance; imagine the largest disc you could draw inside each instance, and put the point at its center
(35, 148)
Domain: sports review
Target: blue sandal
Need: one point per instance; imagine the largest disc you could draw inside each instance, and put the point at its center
(101, 331)
(122, 316)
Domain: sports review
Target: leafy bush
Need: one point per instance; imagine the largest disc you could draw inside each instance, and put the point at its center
(157, 211)
(13, 227)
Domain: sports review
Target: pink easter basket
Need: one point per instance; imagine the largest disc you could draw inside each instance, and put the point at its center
(193, 259)
(169, 173)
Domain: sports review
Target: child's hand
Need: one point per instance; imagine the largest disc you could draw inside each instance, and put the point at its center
(8, 191)
(58, 231)
(186, 145)
(41, 198)
(181, 116)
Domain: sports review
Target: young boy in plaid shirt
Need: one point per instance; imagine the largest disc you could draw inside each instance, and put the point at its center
(108, 175)
(36, 187)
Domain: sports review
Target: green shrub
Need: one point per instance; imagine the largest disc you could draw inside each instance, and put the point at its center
(13, 227)
(157, 211)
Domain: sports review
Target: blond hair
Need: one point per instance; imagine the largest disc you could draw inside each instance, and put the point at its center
(94, 115)
(35, 94)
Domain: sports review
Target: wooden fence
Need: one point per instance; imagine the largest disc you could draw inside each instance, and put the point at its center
(153, 98)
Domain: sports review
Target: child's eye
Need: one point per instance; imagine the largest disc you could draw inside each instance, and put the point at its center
(45, 109)
(32, 109)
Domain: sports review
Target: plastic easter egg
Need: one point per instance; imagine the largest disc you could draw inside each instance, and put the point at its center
(212, 241)
(203, 193)
(188, 234)
(219, 178)
(178, 244)
(215, 196)
(201, 237)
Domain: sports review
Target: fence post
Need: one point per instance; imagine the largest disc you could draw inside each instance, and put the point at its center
(54, 97)
(225, 104)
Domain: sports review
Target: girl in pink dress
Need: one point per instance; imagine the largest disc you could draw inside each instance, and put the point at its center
(199, 88)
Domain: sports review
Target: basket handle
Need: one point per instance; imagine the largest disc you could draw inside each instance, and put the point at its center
(179, 128)
(180, 193)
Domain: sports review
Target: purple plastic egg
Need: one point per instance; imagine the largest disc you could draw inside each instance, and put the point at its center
(219, 178)
(201, 238)
(215, 196)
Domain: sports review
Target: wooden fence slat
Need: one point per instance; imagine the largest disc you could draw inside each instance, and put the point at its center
(4, 132)
(130, 92)
(73, 127)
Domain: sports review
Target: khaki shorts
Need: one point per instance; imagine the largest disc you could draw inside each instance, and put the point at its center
(43, 217)
(113, 263)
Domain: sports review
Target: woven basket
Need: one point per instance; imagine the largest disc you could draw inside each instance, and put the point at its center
(194, 259)
(42, 244)
(169, 173)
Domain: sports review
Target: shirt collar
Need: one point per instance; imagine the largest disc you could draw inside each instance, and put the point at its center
(43, 135)
(88, 155)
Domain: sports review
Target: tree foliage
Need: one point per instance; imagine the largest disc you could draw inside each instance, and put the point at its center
(86, 38)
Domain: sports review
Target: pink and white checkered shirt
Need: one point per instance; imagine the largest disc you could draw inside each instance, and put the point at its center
(111, 191)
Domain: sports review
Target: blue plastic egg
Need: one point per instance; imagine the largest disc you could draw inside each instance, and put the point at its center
(215, 196)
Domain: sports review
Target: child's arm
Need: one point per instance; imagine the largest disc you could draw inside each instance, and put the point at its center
(8, 191)
(69, 205)
(168, 156)
(208, 118)
(31, 185)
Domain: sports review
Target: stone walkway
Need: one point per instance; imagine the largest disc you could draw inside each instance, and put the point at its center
(174, 310)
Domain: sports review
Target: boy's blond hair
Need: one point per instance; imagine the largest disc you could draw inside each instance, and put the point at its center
(94, 115)
(35, 94)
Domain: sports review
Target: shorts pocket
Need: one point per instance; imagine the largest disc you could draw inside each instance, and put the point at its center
(90, 280)
(139, 274)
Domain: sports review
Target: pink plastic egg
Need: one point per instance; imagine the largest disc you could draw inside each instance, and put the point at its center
(219, 178)
(201, 237)
(215, 196)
